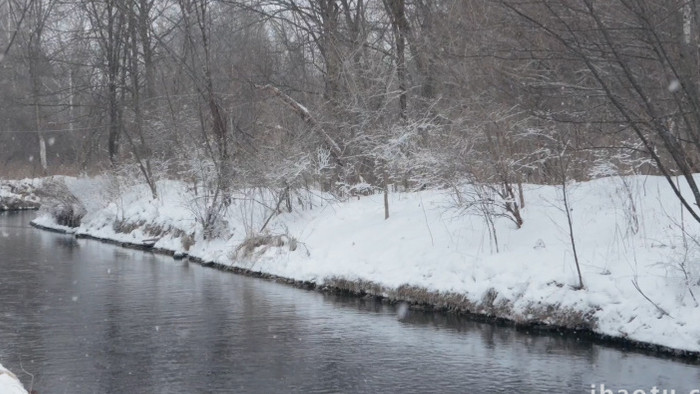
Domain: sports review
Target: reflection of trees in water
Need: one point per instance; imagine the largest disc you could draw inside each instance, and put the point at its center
(151, 324)
(67, 242)
(494, 335)
(22, 291)
(123, 348)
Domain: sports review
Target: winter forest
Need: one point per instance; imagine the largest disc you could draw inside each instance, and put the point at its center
(353, 96)
(509, 157)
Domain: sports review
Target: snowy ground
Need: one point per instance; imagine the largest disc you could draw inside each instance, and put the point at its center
(9, 384)
(18, 194)
(628, 231)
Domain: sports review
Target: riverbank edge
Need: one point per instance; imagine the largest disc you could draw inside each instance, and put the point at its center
(22, 196)
(9, 383)
(29, 208)
(556, 321)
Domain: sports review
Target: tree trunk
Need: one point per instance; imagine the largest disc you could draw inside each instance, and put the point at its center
(397, 10)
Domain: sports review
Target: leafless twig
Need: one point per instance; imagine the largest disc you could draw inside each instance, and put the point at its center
(31, 383)
(660, 309)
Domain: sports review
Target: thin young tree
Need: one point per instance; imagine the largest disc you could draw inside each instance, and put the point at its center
(635, 58)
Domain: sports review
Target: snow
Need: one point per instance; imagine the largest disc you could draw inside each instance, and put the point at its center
(18, 194)
(628, 230)
(674, 86)
(9, 384)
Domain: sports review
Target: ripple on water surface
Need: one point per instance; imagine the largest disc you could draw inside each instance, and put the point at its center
(88, 317)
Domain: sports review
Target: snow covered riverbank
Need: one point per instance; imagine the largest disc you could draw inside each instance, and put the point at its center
(9, 384)
(639, 254)
(19, 195)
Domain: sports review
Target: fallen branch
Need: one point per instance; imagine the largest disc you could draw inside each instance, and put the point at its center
(306, 116)
(660, 309)
(283, 194)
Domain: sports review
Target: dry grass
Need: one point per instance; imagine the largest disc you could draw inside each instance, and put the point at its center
(257, 245)
(490, 306)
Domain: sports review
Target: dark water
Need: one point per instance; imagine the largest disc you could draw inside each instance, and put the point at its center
(86, 317)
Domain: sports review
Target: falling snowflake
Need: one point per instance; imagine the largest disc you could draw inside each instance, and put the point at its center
(674, 86)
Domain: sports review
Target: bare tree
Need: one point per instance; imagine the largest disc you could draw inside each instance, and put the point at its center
(139, 149)
(39, 14)
(108, 19)
(636, 57)
(397, 11)
(16, 13)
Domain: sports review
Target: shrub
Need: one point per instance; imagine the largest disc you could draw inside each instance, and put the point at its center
(61, 203)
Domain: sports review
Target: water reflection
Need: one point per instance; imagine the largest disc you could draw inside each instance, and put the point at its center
(67, 242)
(90, 317)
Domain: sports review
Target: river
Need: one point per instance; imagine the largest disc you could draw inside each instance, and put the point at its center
(81, 316)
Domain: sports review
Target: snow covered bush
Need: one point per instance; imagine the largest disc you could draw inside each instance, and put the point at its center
(255, 246)
(61, 203)
(16, 195)
(482, 200)
(683, 269)
(210, 193)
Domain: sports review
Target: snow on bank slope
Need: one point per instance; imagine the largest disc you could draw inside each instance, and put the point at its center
(9, 384)
(19, 194)
(630, 233)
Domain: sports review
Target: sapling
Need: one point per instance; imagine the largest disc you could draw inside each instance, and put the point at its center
(563, 161)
